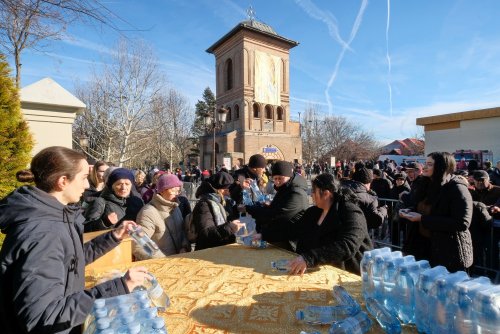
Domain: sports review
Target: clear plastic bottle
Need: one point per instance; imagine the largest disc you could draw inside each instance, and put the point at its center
(486, 308)
(281, 265)
(404, 292)
(99, 311)
(441, 321)
(377, 272)
(155, 326)
(156, 293)
(324, 315)
(344, 298)
(387, 320)
(366, 267)
(388, 281)
(247, 199)
(460, 304)
(250, 242)
(424, 284)
(358, 324)
(258, 195)
(142, 239)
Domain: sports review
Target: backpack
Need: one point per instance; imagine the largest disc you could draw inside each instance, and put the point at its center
(190, 228)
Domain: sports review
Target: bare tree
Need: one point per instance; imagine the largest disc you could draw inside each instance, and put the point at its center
(28, 24)
(121, 99)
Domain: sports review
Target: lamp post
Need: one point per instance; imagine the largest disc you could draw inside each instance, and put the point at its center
(213, 121)
(84, 143)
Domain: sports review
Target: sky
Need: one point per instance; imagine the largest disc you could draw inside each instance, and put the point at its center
(379, 63)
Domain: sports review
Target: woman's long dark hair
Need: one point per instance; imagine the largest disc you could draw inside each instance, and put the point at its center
(48, 165)
(327, 181)
(444, 166)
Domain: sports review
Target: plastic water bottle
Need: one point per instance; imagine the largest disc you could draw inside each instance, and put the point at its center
(366, 266)
(142, 239)
(460, 304)
(377, 272)
(424, 284)
(404, 292)
(146, 314)
(281, 265)
(158, 297)
(155, 326)
(387, 320)
(323, 315)
(132, 328)
(259, 196)
(440, 320)
(250, 242)
(247, 200)
(358, 324)
(345, 299)
(388, 281)
(486, 308)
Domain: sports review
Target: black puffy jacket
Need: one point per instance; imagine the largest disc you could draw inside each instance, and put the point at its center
(42, 265)
(368, 202)
(96, 215)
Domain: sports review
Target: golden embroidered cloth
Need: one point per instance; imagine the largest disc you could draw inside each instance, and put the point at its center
(233, 289)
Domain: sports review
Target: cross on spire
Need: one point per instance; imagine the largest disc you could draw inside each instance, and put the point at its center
(251, 13)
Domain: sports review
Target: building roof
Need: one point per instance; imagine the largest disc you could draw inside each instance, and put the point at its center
(460, 116)
(408, 146)
(256, 26)
(49, 92)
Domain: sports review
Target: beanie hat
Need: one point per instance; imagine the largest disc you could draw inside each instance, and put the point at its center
(257, 161)
(400, 175)
(480, 175)
(221, 180)
(363, 175)
(119, 174)
(167, 181)
(283, 168)
(377, 172)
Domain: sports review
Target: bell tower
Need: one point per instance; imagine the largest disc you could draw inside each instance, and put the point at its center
(252, 83)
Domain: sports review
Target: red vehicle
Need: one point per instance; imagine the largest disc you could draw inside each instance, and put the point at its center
(464, 156)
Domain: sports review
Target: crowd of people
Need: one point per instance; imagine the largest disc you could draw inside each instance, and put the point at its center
(447, 215)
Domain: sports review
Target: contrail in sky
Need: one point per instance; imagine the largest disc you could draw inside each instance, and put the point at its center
(387, 53)
(354, 31)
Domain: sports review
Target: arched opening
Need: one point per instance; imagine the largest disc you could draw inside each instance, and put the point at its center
(256, 111)
(269, 112)
(280, 113)
(228, 117)
(229, 74)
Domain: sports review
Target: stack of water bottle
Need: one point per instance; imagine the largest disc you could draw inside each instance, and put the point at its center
(134, 313)
(245, 236)
(397, 289)
(125, 314)
(346, 317)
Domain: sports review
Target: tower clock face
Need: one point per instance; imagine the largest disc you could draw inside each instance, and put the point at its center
(267, 78)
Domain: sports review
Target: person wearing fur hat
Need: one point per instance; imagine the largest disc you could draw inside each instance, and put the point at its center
(162, 220)
(115, 204)
(288, 205)
(400, 185)
(367, 198)
(253, 172)
(213, 222)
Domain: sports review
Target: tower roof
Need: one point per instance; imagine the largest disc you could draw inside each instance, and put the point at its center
(256, 26)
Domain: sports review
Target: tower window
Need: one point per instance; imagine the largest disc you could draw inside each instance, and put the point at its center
(280, 113)
(229, 74)
(236, 112)
(256, 111)
(269, 112)
(228, 118)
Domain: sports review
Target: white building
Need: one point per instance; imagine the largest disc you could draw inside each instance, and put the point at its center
(50, 111)
(468, 130)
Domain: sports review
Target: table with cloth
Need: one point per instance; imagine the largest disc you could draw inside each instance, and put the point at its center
(233, 289)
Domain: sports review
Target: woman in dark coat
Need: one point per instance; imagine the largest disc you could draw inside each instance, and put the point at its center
(214, 225)
(115, 204)
(442, 216)
(332, 232)
(42, 262)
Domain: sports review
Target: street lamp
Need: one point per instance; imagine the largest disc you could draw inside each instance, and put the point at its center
(84, 143)
(214, 121)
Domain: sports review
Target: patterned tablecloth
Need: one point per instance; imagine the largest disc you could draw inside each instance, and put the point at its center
(233, 289)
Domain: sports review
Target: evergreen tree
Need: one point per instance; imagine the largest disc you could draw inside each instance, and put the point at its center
(16, 141)
(202, 106)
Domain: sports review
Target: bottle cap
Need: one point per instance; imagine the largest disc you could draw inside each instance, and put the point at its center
(102, 323)
(98, 303)
(158, 323)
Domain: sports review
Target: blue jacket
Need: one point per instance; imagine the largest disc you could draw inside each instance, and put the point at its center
(42, 265)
